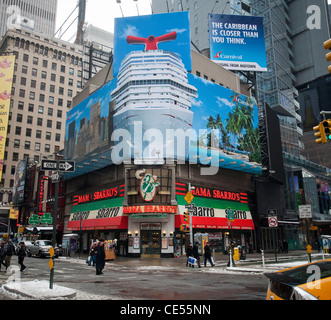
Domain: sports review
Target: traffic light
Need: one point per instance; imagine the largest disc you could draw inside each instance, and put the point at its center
(327, 129)
(186, 216)
(320, 134)
(327, 46)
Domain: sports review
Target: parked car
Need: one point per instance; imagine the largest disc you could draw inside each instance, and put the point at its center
(40, 248)
(311, 281)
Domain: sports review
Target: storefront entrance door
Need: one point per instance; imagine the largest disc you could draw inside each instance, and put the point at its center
(150, 244)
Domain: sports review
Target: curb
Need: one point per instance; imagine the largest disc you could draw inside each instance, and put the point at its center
(23, 289)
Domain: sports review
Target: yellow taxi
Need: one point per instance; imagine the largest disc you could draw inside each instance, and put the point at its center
(311, 281)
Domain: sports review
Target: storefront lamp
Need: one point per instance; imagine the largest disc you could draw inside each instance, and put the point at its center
(164, 233)
(136, 233)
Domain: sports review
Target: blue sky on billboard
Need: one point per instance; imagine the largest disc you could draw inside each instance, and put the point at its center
(155, 25)
(237, 42)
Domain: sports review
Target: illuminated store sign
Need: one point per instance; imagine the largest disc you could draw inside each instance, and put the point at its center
(150, 209)
(99, 195)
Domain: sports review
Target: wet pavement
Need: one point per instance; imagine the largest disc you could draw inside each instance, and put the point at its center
(156, 278)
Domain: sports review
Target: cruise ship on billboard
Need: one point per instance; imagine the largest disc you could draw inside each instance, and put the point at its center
(152, 90)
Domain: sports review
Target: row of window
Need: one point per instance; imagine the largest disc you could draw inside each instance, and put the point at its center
(28, 133)
(34, 72)
(35, 61)
(32, 96)
(41, 109)
(29, 120)
(33, 84)
(27, 146)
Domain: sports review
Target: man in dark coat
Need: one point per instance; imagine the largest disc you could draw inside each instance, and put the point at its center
(189, 253)
(100, 256)
(196, 253)
(2, 255)
(207, 255)
(21, 255)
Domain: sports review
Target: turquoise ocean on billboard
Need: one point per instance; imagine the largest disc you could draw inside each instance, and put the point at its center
(136, 116)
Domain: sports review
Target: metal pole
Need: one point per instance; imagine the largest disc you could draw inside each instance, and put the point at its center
(275, 244)
(190, 217)
(56, 196)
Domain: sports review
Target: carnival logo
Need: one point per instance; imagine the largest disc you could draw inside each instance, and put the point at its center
(148, 185)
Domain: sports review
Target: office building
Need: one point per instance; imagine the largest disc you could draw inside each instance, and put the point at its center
(47, 75)
(34, 15)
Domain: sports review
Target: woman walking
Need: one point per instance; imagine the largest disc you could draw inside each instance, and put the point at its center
(100, 256)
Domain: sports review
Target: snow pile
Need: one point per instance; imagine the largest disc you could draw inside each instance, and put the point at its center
(39, 290)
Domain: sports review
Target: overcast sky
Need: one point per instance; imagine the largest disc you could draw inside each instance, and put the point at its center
(99, 13)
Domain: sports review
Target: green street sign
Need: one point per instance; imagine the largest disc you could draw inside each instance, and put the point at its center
(230, 214)
(46, 218)
(34, 220)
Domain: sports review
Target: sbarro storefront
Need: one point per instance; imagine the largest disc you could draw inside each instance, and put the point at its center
(100, 214)
(217, 216)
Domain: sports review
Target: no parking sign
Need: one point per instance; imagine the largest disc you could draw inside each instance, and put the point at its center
(273, 222)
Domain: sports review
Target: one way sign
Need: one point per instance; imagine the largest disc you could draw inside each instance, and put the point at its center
(62, 165)
(67, 166)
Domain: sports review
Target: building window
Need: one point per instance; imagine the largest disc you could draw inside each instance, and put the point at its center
(37, 146)
(48, 135)
(43, 74)
(51, 100)
(18, 131)
(27, 145)
(28, 132)
(25, 57)
(57, 137)
(23, 81)
(50, 111)
(35, 60)
(31, 107)
(16, 143)
(47, 148)
(15, 156)
(49, 123)
(19, 117)
(29, 120)
(20, 105)
(42, 86)
(39, 121)
(38, 134)
(41, 110)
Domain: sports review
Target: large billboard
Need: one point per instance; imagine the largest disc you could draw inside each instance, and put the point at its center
(154, 111)
(6, 80)
(237, 42)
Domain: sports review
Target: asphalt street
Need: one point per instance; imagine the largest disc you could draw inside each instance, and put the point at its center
(143, 279)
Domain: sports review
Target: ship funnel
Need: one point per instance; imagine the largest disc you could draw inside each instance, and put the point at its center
(151, 43)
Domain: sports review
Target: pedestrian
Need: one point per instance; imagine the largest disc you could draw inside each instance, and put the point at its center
(92, 254)
(9, 251)
(2, 255)
(196, 253)
(100, 256)
(189, 253)
(207, 255)
(230, 250)
(285, 246)
(280, 247)
(21, 255)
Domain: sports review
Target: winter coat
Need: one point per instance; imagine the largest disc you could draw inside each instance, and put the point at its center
(9, 249)
(100, 256)
(207, 251)
(189, 251)
(21, 252)
(196, 252)
(2, 253)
